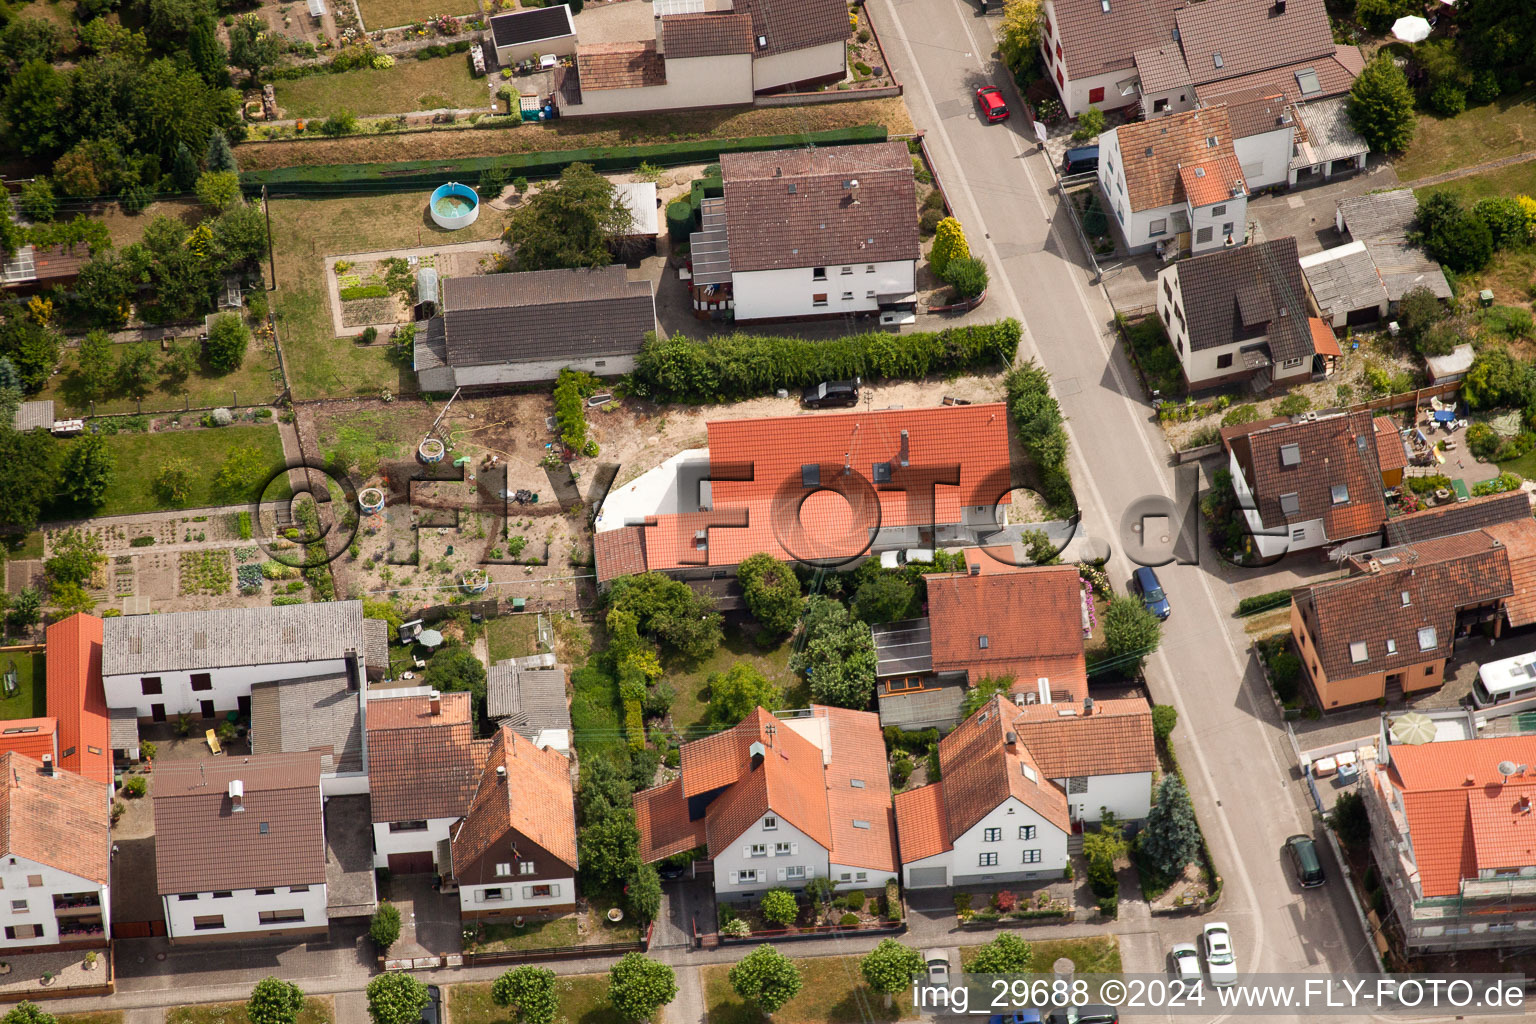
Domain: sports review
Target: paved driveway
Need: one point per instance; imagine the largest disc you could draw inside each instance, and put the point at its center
(683, 902)
(1307, 213)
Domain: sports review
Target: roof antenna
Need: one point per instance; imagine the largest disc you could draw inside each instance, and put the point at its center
(771, 730)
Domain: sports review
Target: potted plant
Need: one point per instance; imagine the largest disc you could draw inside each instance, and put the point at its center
(48, 977)
(5, 968)
(90, 960)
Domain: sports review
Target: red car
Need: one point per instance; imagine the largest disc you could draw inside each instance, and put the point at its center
(990, 99)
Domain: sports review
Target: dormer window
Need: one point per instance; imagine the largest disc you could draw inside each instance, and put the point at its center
(981, 642)
(1358, 652)
(1216, 59)
(1339, 493)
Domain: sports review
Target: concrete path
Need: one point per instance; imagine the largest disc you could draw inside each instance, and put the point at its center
(689, 1006)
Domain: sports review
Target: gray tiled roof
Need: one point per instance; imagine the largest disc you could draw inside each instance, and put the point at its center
(376, 644)
(1330, 135)
(708, 34)
(924, 709)
(1445, 520)
(1344, 282)
(123, 726)
(318, 714)
(1095, 41)
(230, 637)
(1382, 221)
(1252, 291)
(529, 700)
(34, 415)
(545, 314)
(1379, 214)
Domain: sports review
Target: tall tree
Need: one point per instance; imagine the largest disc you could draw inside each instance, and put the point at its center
(252, 47)
(219, 157)
(1381, 106)
(639, 986)
(396, 998)
(29, 481)
(1020, 35)
(771, 591)
(29, 1013)
(569, 224)
(86, 470)
(227, 340)
(136, 369)
(275, 1001)
(890, 967)
(1006, 954)
(529, 992)
(31, 109)
(94, 365)
(886, 598)
(838, 656)
(734, 693)
(766, 977)
(32, 348)
(184, 169)
(671, 611)
(1171, 839)
(1131, 633)
(207, 53)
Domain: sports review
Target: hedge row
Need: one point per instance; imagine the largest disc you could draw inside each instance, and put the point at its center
(1263, 602)
(1043, 434)
(736, 366)
(409, 175)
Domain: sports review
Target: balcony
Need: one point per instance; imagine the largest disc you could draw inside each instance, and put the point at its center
(73, 930)
(76, 903)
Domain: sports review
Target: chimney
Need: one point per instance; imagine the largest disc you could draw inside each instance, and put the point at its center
(975, 568)
(1043, 685)
(902, 455)
(435, 703)
(48, 764)
(755, 755)
(853, 190)
(1012, 740)
(501, 773)
(1279, 6)
(236, 795)
(354, 676)
(1087, 706)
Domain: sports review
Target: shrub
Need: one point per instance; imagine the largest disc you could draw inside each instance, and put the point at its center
(1293, 405)
(1505, 219)
(1463, 243)
(571, 392)
(901, 769)
(1005, 900)
(228, 338)
(948, 244)
(1240, 414)
(849, 921)
(968, 277)
(1498, 485)
(1484, 87)
(369, 335)
(135, 787)
(1263, 602)
(1164, 718)
(384, 928)
(854, 900)
(1482, 441)
(1447, 100)
(1285, 673)
(735, 928)
(1381, 104)
(1089, 124)
(928, 221)
(779, 907)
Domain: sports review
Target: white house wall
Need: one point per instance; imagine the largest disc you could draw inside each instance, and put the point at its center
(691, 82)
(775, 294)
(514, 894)
(1301, 536)
(964, 861)
(804, 852)
(1265, 158)
(386, 842)
(1128, 797)
(229, 684)
(560, 46)
(1233, 211)
(541, 369)
(852, 876)
(1075, 92)
(780, 69)
(241, 911)
(15, 873)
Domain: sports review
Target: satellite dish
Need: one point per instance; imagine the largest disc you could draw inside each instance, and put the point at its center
(1507, 769)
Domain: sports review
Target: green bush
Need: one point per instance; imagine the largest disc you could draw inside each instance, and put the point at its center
(967, 276)
(1482, 441)
(854, 900)
(779, 907)
(1498, 485)
(848, 921)
(1293, 405)
(1164, 718)
(1447, 100)
(1285, 673)
(1089, 124)
(680, 222)
(364, 291)
(1263, 602)
(1505, 220)
(135, 787)
(1240, 414)
(571, 392)
(736, 366)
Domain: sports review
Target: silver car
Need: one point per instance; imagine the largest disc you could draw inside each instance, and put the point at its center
(938, 966)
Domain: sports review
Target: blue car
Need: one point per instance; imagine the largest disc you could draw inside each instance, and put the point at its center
(1017, 1017)
(1151, 592)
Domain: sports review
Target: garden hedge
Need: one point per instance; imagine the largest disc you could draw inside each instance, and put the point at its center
(736, 366)
(1263, 602)
(405, 176)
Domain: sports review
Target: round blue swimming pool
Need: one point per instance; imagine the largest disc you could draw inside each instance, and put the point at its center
(454, 206)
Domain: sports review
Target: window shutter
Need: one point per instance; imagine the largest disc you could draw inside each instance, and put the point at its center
(527, 892)
(794, 849)
(772, 852)
(781, 874)
(810, 872)
(554, 889)
(733, 878)
(746, 851)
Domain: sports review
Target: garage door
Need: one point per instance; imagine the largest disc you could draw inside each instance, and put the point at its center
(410, 863)
(922, 878)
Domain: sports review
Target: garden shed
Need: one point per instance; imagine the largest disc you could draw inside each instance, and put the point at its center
(522, 35)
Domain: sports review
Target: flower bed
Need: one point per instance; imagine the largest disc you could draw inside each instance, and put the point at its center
(855, 910)
(1006, 907)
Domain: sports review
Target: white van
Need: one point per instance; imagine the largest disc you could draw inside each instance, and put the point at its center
(1500, 682)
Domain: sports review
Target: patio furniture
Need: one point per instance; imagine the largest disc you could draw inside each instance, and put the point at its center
(213, 742)
(548, 61)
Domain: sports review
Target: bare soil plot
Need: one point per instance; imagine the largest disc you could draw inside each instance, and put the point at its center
(381, 14)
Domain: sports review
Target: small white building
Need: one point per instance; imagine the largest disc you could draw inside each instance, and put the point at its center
(423, 766)
(240, 848)
(778, 801)
(514, 852)
(523, 34)
(810, 233)
(204, 663)
(55, 865)
(1175, 181)
(1016, 781)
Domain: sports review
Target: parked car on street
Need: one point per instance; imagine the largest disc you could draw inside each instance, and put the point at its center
(1185, 960)
(432, 1013)
(831, 393)
(1302, 851)
(1080, 160)
(1220, 961)
(938, 966)
(990, 99)
(1150, 591)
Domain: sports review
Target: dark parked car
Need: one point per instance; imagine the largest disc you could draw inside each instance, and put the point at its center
(831, 393)
(1016, 1017)
(1088, 1014)
(1151, 592)
(1304, 861)
(673, 871)
(432, 1013)
(1080, 159)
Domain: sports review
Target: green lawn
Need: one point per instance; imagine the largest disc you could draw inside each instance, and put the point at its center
(99, 1017)
(583, 1000)
(138, 457)
(440, 82)
(1502, 128)
(379, 14)
(361, 440)
(1097, 954)
(317, 1010)
(690, 680)
(304, 232)
(1512, 271)
(559, 931)
(255, 383)
(28, 545)
(832, 991)
(30, 700)
(512, 636)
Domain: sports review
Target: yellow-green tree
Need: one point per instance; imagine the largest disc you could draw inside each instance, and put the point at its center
(948, 244)
(1020, 36)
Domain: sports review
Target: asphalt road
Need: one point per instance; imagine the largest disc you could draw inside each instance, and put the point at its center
(1231, 746)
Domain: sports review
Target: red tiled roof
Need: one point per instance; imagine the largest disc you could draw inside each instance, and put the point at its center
(1153, 153)
(787, 25)
(58, 820)
(662, 817)
(1390, 452)
(421, 765)
(76, 697)
(991, 561)
(1116, 739)
(31, 737)
(980, 771)
(1256, 111)
(1031, 619)
(1234, 38)
(1519, 540)
(1332, 451)
(706, 34)
(775, 453)
(854, 751)
(1095, 41)
(1325, 344)
(1462, 816)
(534, 799)
(619, 552)
(922, 822)
(620, 65)
(1336, 72)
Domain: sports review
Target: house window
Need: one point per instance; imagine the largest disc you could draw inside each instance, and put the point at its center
(758, 850)
(869, 268)
(224, 895)
(1158, 226)
(18, 906)
(795, 873)
(266, 892)
(408, 826)
(35, 880)
(149, 685)
(1224, 360)
(861, 876)
(1391, 645)
(208, 923)
(490, 895)
(540, 892)
(781, 849)
(746, 875)
(279, 916)
(202, 681)
(1060, 78)
(1096, 94)
(1158, 106)
(601, 362)
(818, 273)
(1167, 320)
(1077, 784)
(1058, 54)
(819, 299)
(1300, 533)
(987, 860)
(1031, 856)
(870, 294)
(845, 877)
(526, 867)
(298, 888)
(1429, 670)
(847, 270)
(993, 835)
(1219, 211)
(92, 750)
(1168, 289)
(1427, 638)
(68, 752)
(24, 931)
(770, 823)
(186, 896)
(503, 870)
(1026, 831)
(1227, 227)
(1203, 235)
(847, 296)
(1292, 362)
(1359, 651)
